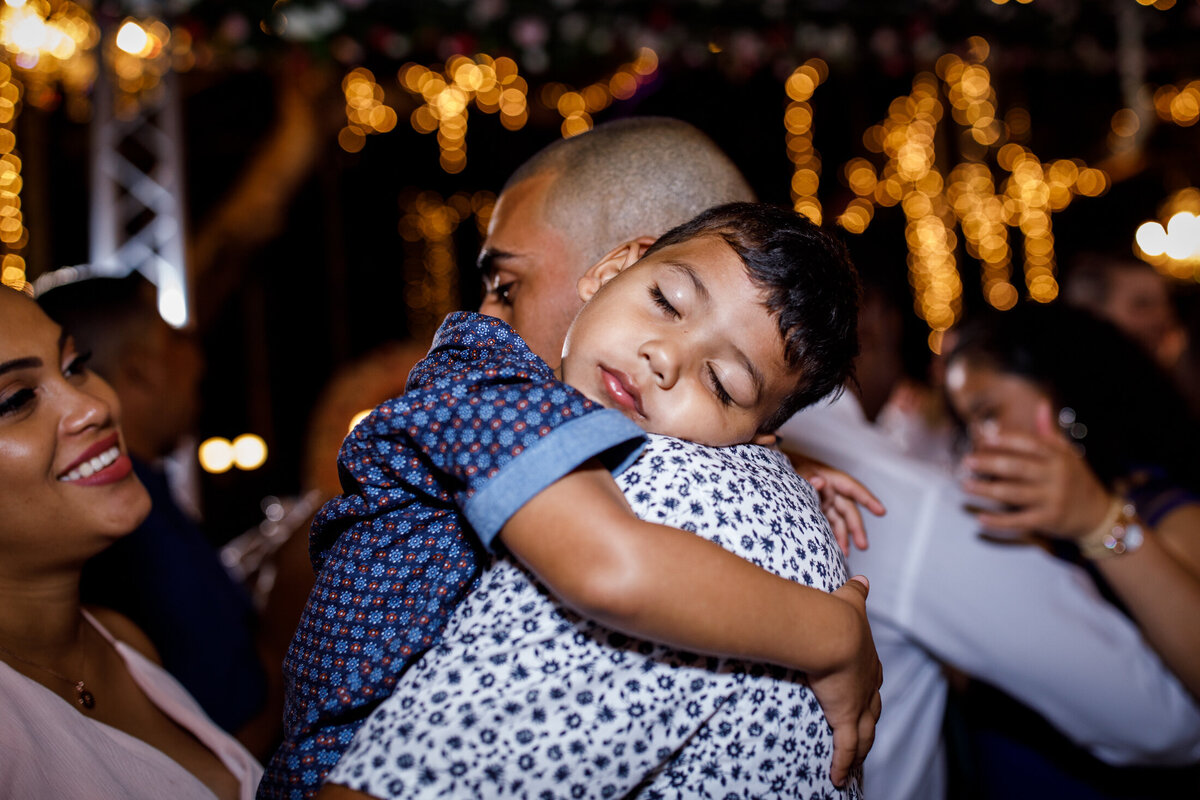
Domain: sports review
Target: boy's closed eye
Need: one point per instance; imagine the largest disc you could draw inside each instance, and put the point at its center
(660, 300)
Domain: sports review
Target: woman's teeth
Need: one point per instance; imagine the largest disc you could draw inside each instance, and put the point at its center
(89, 468)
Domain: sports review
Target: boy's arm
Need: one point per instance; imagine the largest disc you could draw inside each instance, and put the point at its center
(655, 582)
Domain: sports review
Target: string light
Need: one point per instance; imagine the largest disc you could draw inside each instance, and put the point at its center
(493, 85)
(366, 113)
(139, 55)
(1173, 246)
(430, 271)
(13, 234)
(968, 198)
(1178, 104)
(798, 122)
(577, 107)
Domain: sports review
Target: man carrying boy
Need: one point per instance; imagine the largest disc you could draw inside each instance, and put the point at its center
(342, 665)
(722, 328)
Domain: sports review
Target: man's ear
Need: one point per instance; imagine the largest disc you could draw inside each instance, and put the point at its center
(767, 439)
(612, 265)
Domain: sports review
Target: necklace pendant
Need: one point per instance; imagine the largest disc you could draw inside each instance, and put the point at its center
(84, 697)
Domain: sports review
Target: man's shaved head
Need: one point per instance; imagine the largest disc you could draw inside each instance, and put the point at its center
(579, 198)
(631, 178)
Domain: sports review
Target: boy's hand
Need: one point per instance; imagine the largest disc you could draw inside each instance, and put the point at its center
(849, 695)
(841, 495)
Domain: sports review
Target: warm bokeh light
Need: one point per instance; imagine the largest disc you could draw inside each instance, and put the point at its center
(357, 418)
(806, 162)
(1173, 246)
(983, 204)
(133, 39)
(216, 455)
(577, 107)
(448, 91)
(249, 451)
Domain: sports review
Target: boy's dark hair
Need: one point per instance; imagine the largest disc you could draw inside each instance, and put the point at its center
(812, 290)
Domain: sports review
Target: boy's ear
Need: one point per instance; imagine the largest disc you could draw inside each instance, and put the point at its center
(612, 265)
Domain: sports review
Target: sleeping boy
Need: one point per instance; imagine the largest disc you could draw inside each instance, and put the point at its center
(720, 331)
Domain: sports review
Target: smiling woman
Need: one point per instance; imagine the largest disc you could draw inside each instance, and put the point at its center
(82, 694)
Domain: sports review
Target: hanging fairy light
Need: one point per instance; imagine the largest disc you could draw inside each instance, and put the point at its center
(366, 113)
(968, 197)
(1179, 104)
(43, 47)
(493, 85)
(139, 55)
(13, 234)
(798, 122)
(430, 268)
(577, 107)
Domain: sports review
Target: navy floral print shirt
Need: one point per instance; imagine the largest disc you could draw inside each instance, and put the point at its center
(428, 480)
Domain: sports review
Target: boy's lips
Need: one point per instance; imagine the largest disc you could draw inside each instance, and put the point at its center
(622, 390)
(99, 464)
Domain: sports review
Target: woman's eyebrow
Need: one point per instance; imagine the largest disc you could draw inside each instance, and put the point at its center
(30, 362)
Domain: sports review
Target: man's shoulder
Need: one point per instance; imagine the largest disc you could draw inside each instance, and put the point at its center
(665, 456)
(746, 498)
(741, 475)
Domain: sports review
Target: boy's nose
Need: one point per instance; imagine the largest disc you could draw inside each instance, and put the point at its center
(663, 359)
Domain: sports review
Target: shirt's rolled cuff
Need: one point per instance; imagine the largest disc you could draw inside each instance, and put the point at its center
(607, 435)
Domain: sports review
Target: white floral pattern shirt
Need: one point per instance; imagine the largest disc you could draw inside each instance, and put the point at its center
(523, 698)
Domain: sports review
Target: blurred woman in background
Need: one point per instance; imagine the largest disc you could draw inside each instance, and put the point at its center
(1079, 442)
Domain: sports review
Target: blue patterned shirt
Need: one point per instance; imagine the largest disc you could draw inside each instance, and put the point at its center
(428, 480)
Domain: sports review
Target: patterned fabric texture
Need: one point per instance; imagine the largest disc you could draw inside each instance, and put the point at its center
(525, 699)
(426, 477)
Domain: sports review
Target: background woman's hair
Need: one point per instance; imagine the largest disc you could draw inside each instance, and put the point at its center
(1135, 417)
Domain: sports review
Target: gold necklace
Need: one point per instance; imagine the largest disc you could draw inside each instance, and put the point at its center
(82, 696)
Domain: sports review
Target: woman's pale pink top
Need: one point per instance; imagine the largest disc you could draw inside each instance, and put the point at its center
(50, 750)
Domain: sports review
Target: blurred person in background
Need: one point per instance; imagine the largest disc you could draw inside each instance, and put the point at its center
(1079, 444)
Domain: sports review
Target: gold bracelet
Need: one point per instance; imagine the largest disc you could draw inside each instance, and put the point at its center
(1120, 532)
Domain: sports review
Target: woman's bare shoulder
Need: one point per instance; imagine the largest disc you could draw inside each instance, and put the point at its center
(124, 630)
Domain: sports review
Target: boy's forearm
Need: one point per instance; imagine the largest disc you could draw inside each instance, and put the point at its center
(659, 583)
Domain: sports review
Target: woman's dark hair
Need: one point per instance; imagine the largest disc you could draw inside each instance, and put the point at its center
(1135, 418)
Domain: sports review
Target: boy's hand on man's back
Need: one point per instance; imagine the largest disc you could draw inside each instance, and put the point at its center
(849, 694)
(841, 494)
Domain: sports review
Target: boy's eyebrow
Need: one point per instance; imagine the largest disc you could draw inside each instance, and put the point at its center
(694, 277)
(755, 375)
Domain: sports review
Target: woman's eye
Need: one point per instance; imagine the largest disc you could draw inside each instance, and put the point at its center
(16, 401)
(77, 365)
(718, 389)
(662, 302)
